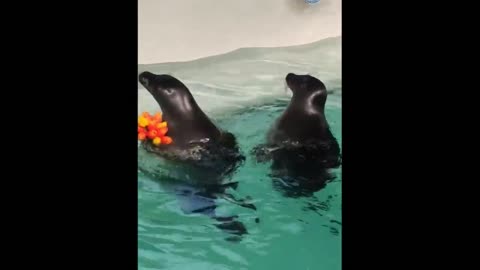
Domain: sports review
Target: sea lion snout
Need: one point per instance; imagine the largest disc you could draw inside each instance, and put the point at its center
(145, 78)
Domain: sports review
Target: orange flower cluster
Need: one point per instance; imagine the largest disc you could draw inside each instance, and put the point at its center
(153, 128)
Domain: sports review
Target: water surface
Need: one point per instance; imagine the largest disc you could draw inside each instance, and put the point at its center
(243, 91)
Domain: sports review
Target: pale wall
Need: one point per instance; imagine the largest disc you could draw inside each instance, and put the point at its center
(181, 30)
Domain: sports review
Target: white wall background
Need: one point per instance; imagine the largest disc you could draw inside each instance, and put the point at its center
(182, 30)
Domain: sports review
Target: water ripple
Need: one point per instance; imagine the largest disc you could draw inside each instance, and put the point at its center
(308, 230)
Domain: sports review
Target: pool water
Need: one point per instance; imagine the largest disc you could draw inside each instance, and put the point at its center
(291, 233)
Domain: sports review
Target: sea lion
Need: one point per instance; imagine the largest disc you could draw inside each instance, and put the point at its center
(202, 157)
(300, 142)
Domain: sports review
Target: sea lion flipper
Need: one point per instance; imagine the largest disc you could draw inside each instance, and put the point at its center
(240, 202)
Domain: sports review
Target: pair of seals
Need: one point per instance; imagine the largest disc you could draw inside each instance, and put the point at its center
(300, 144)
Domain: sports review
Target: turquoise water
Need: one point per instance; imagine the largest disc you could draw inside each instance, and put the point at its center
(292, 233)
(295, 233)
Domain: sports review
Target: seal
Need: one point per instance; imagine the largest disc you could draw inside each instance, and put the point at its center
(300, 142)
(197, 140)
(201, 158)
(187, 122)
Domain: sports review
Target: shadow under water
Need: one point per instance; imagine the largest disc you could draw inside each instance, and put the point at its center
(197, 185)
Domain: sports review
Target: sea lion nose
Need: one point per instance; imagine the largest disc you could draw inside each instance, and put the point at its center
(143, 77)
(143, 80)
(290, 76)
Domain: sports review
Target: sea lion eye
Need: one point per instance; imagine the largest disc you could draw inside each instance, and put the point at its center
(169, 90)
